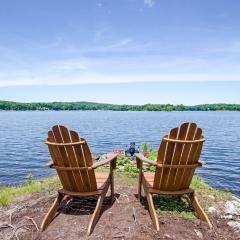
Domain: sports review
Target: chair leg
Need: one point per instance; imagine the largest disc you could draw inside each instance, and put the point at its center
(140, 186)
(97, 210)
(112, 185)
(200, 212)
(151, 207)
(51, 213)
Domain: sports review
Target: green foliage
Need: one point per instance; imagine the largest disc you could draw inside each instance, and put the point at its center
(6, 105)
(8, 194)
(152, 168)
(173, 205)
(29, 178)
(130, 169)
(122, 160)
(181, 207)
(127, 166)
(144, 147)
(152, 154)
(204, 189)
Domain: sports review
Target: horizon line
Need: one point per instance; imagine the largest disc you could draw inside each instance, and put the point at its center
(51, 102)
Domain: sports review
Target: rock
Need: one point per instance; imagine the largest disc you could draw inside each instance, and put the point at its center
(104, 156)
(167, 236)
(198, 233)
(236, 199)
(230, 208)
(235, 225)
(121, 168)
(212, 210)
(96, 157)
(211, 197)
(236, 203)
(228, 216)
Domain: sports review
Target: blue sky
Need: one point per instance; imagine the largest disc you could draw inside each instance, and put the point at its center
(125, 51)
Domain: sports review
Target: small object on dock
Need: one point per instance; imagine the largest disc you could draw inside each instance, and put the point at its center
(131, 150)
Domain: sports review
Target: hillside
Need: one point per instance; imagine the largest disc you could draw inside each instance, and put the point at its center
(59, 106)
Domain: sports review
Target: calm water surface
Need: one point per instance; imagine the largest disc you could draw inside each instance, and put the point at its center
(22, 136)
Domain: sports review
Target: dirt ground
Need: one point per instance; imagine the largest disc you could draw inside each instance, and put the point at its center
(125, 219)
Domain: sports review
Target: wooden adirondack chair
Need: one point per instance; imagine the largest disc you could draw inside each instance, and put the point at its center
(71, 157)
(178, 157)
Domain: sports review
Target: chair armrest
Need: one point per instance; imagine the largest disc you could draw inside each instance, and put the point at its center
(49, 164)
(105, 161)
(140, 157)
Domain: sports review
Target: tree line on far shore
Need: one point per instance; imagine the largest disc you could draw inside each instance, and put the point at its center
(59, 106)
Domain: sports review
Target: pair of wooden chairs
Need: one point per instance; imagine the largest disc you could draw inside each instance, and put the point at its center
(177, 159)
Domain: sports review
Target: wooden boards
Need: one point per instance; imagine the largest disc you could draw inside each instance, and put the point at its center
(182, 147)
(72, 155)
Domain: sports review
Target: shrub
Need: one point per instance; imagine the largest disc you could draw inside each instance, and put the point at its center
(29, 179)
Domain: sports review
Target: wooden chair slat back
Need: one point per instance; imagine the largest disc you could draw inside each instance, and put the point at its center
(168, 158)
(178, 153)
(84, 159)
(72, 156)
(57, 159)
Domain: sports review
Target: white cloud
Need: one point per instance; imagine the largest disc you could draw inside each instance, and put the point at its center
(120, 61)
(72, 64)
(97, 78)
(120, 69)
(114, 46)
(149, 3)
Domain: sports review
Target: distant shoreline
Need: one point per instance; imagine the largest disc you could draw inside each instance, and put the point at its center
(74, 106)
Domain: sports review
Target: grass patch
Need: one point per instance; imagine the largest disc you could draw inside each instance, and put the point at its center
(173, 206)
(204, 189)
(181, 207)
(9, 193)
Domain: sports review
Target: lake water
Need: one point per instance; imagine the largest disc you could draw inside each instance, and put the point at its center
(22, 136)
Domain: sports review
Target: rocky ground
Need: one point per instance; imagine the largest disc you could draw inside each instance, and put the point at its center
(125, 219)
